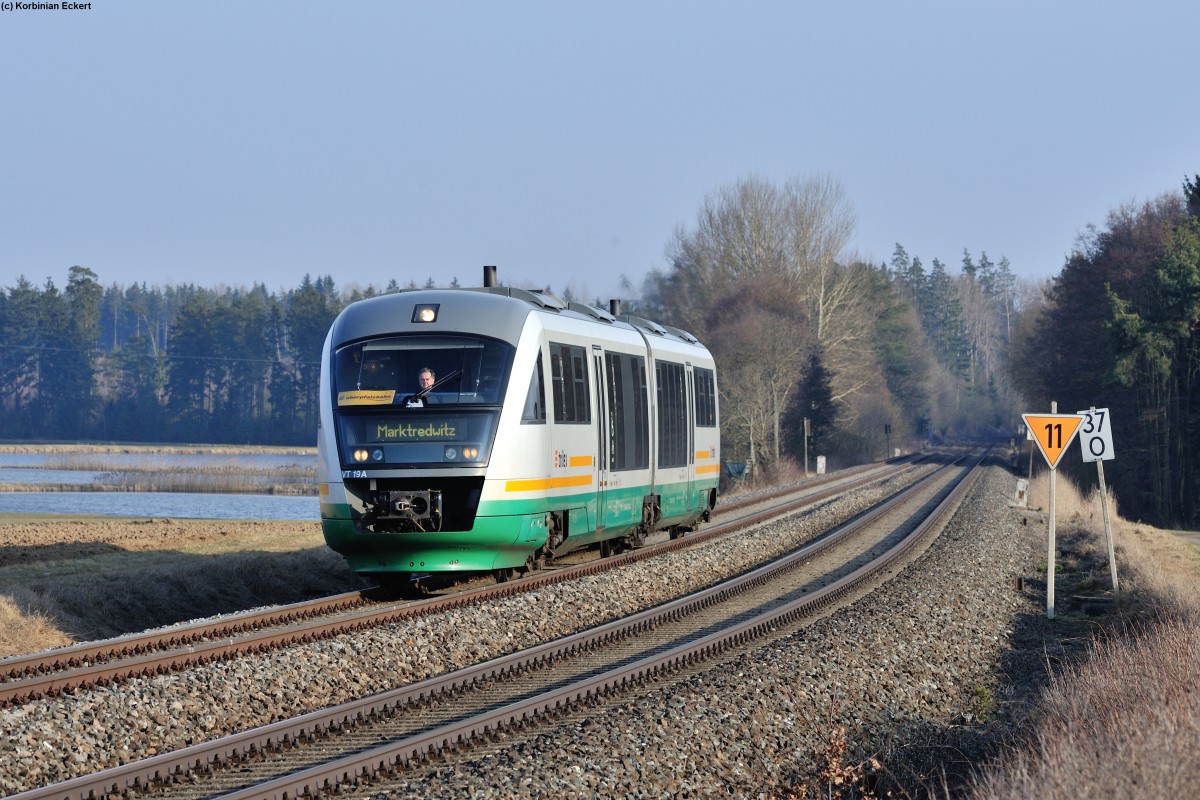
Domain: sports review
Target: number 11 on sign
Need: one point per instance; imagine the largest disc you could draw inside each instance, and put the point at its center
(1053, 433)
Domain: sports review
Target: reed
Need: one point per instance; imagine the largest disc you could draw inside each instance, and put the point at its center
(115, 473)
(89, 462)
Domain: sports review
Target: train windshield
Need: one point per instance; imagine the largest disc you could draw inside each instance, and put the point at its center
(419, 371)
(419, 400)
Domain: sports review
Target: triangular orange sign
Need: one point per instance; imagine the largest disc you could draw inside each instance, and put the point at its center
(1053, 433)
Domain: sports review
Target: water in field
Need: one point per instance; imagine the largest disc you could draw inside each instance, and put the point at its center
(177, 505)
(179, 485)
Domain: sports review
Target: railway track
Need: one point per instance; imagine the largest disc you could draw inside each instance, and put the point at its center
(93, 664)
(582, 668)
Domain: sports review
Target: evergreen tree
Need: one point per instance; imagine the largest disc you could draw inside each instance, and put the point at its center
(1191, 195)
(968, 266)
(1157, 349)
(900, 264)
(310, 312)
(942, 318)
(814, 400)
(21, 334)
(901, 350)
(135, 411)
(51, 412)
(76, 382)
(193, 366)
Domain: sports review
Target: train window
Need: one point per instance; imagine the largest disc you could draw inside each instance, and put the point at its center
(706, 398)
(628, 408)
(466, 370)
(569, 377)
(672, 414)
(535, 400)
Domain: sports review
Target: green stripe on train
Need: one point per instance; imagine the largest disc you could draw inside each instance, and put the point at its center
(506, 532)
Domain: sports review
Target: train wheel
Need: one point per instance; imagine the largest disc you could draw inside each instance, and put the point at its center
(606, 549)
(675, 531)
(504, 575)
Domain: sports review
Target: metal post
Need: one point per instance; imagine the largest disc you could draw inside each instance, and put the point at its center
(1032, 447)
(1108, 536)
(1050, 539)
(806, 447)
(1050, 553)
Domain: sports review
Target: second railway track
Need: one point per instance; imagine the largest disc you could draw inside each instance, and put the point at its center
(450, 736)
(156, 652)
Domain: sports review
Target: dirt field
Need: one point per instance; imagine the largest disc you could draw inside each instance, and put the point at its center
(69, 579)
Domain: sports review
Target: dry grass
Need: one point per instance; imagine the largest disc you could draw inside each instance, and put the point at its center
(19, 628)
(1124, 721)
(55, 611)
(781, 473)
(149, 474)
(100, 463)
(86, 579)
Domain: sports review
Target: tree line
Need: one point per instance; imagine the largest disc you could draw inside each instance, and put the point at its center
(1119, 328)
(818, 352)
(873, 356)
(162, 364)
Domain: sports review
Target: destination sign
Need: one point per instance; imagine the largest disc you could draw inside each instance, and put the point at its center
(408, 432)
(409, 429)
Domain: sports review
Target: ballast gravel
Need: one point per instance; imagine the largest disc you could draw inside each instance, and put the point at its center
(923, 651)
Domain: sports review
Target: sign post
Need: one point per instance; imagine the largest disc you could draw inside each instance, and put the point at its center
(1052, 433)
(1095, 442)
(806, 435)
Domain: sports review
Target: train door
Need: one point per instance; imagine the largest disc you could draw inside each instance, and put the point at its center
(602, 440)
(691, 434)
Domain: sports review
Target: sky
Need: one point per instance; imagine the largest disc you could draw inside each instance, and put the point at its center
(235, 143)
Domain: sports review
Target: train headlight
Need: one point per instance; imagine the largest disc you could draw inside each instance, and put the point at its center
(377, 455)
(451, 454)
(360, 455)
(470, 453)
(426, 312)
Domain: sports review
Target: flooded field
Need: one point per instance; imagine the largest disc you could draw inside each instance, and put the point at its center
(193, 482)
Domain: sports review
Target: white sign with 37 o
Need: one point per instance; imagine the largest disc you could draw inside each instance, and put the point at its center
(1095, 435)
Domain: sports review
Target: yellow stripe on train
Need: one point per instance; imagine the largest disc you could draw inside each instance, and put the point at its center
(542, 484)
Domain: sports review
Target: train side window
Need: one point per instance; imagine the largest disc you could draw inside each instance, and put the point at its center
(672, 414)
(535, 400)
(629, 410)
(706, 398)
(569, 378)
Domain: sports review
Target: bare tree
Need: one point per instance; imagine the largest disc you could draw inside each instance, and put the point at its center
(757, 278)
(821, 225)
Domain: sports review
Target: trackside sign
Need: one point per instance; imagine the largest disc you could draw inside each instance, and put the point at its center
(1053, 433)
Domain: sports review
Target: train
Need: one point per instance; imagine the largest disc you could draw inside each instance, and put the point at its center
(493, 429)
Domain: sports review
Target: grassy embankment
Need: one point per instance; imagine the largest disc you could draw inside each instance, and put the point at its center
(1125, 720)
(151, 474)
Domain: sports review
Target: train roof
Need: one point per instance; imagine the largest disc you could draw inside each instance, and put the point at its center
(498, 311)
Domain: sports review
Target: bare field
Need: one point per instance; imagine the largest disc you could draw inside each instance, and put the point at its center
(67, 579)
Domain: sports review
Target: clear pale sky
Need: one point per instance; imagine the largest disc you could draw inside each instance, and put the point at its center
(241, 142)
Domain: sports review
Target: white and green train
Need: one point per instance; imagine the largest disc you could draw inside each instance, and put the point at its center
(491, 429)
